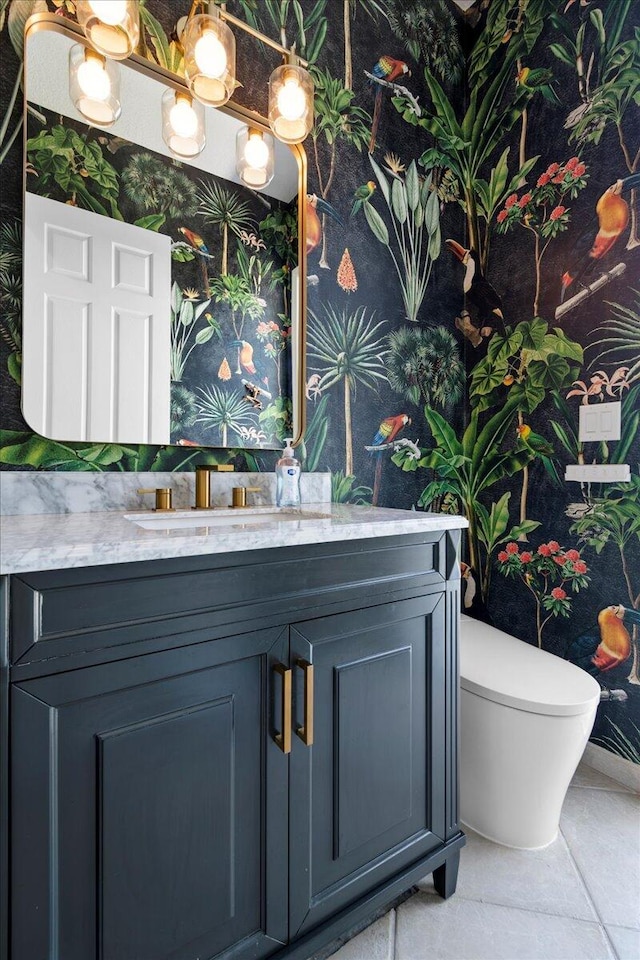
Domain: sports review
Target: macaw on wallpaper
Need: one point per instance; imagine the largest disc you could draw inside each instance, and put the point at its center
(362, 195)
(315, 208)
(477, 289)
(390, 428)
(611, 647)
(197, 244)
(388, 69)
(612, 212)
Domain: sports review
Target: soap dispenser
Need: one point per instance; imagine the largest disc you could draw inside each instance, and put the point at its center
(288, 478)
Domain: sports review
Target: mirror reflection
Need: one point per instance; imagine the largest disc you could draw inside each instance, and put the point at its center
(161, 294)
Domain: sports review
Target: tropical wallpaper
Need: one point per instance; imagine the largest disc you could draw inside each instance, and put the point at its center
(473, 280)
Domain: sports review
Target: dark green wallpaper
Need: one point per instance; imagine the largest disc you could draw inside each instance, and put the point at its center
(473, 261)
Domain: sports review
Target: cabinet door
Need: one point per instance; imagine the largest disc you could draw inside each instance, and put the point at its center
(367, 798)
(149, 808)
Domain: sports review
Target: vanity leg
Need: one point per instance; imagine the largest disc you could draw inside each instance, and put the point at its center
(445, 877)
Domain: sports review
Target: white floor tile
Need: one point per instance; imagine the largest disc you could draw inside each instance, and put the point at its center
(374, 943)
(428, 928)
(602, 830)
(586, 776)
(626, 943)
(544, 880)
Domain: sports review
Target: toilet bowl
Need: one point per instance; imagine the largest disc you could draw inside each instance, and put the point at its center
(525, 718)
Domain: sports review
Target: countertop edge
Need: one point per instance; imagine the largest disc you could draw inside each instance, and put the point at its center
(136, 545)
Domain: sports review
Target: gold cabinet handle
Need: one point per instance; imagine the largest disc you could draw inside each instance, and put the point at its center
(305, 732)
(283, 739)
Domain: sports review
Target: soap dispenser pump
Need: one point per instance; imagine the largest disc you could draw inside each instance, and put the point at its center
(288, 478)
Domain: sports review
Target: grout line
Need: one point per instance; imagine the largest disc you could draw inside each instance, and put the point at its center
(589, 896)
(617, 788)
(391, 951)
(595, 920)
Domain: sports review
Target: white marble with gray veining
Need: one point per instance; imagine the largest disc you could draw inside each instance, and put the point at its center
(24, 493)
(59, 541)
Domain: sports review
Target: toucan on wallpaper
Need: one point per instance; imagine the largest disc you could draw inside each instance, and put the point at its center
(473, 279)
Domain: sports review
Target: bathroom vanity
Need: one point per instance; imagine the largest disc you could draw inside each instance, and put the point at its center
(231, 741)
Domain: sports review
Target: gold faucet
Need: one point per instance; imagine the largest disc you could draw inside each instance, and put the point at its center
(163, 498)
(239, 495)
(203, 482)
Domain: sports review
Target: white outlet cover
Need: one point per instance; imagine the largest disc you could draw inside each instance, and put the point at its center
(600, 421)
(598, 472)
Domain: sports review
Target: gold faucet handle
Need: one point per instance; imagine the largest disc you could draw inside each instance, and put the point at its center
(239, 495)
(203, 482)
(163, 498)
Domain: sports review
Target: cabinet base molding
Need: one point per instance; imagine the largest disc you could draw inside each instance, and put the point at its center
(376, 901)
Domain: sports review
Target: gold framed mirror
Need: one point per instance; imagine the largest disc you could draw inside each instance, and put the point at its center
(164, 299)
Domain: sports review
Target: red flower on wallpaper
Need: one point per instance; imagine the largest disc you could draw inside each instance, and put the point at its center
(542, 211)
(548, 574)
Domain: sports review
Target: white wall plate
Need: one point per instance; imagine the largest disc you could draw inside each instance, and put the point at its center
(598, 472)
(600, 421)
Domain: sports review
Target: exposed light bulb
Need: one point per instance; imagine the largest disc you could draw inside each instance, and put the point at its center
(256, 152)
(210, 55)
(292, 102)
(111, 12)
(183, 119)
(93, 79)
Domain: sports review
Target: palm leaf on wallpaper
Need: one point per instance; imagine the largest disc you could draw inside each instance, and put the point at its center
(168, 53)
(467, 468)
(465, 145)
(622, 340)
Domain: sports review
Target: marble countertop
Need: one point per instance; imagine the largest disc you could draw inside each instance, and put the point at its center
(62, 541)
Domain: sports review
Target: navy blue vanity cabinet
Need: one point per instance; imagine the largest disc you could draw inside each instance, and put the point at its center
(367, 798)
(149, 809)
(232, 756)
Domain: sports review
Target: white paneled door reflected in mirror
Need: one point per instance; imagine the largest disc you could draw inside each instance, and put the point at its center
(164, 299)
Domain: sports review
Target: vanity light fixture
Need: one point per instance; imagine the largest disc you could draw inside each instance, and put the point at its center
(291, 101)
(254, 157)
(183, 127)
(112, 26)
(209, 58)
(94, 85)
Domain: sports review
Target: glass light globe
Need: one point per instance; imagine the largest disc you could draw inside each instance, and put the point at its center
(210, 55)
(111, 12)
(256, 152)
(183, 119)
(254, 157)
(292, 102)
(93, 79)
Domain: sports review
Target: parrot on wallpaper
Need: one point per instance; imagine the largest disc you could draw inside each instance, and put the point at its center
(316, 206)
(387, 69)
(540, 447)
(197, 244)
(362, 195)
(538, 80)
(611, 647)
(612, 212)
(390, 428)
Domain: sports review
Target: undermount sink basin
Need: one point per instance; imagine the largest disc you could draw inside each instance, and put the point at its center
(223, 517)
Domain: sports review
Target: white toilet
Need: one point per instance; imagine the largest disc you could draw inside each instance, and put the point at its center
(525, 718)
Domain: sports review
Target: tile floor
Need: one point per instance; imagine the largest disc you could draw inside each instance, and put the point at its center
(578, 899)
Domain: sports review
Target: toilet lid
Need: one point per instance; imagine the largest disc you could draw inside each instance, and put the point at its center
(501, 668)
